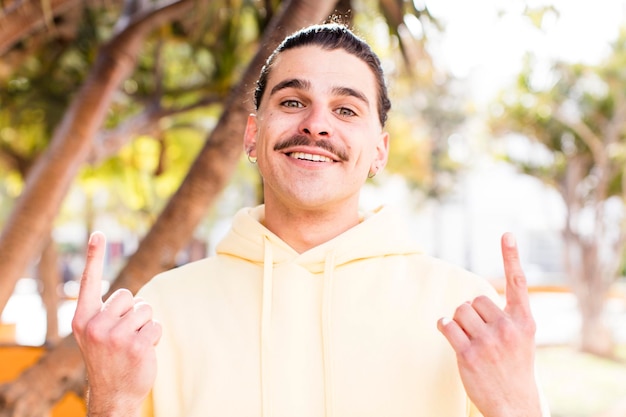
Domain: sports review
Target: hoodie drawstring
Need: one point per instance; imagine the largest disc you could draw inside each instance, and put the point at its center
(327, 292)
(266, 328)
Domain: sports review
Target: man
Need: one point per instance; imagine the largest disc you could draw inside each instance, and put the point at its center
(310, 308)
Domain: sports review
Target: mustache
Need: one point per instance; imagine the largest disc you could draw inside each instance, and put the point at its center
(302, 140)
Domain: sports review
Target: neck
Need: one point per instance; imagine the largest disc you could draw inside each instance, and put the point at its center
(306, 229)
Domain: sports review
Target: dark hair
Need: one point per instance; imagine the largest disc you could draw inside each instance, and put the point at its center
(330, 36)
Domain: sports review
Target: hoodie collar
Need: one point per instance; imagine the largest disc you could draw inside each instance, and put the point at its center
(380, 233)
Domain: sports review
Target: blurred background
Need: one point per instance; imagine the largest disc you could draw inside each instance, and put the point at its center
(127, 117)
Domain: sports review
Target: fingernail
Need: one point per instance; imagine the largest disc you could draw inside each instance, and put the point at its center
(509, 240)
(94, 238)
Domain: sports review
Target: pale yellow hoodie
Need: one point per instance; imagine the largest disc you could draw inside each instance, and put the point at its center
(345, 329)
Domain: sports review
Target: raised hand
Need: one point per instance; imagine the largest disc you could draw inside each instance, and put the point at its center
(117, 340)
(495, 348)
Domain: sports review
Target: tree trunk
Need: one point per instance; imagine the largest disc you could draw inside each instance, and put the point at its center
(49, 275)
(591, 289)
(207, 177)
(596, 337)
(589, 276)
(590, 283)
(47, 183)
(39, 387)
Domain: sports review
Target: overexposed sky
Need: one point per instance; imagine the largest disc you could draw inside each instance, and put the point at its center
(485, 40)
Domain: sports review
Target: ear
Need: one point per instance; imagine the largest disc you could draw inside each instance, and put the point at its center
(381, 153)
(249, 138)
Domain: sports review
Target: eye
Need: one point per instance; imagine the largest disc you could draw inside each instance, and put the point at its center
(292, 103)
(346, 112)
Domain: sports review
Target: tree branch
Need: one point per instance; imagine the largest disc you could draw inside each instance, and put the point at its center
(586, 135)
(28, 16)
(108, 143)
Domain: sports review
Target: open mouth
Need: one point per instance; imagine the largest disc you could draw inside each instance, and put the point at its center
(309, 157)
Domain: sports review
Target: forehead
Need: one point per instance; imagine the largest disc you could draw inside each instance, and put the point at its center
(324, 68)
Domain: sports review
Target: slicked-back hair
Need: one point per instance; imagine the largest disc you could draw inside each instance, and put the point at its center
(329, 36)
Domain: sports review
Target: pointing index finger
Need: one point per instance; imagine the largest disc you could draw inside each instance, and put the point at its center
(516, 286)
(90, 294)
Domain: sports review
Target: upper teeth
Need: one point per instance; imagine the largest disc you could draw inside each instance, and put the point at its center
(310, 157)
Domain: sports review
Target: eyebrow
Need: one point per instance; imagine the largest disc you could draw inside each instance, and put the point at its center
(300, 84)
(296, 83)
(351, 92)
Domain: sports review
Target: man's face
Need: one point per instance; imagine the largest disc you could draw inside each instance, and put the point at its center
(317, 134)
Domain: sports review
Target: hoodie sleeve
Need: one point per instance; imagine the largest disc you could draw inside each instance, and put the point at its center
(165, 397)
(147, 407)
(472, 410)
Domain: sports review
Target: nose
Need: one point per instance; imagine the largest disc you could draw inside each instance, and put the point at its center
(316, 123)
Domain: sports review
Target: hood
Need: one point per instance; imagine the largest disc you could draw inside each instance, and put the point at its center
(380, 233)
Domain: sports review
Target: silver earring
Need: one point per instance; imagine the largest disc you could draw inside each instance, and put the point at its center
(252, 159)
(371, 174)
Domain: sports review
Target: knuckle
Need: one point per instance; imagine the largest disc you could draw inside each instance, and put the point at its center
(469, 358)
(519, 279)
(505, 329)
(143, 308)
(120, 300)
(462, 310)
(92, 251)
(119, 338)
(509, 333)
(122, 294)
(529, 327)
(481, 300)
(491, 348)
(489, 341)
(95, 332)
(78, 325)
(136, 347)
